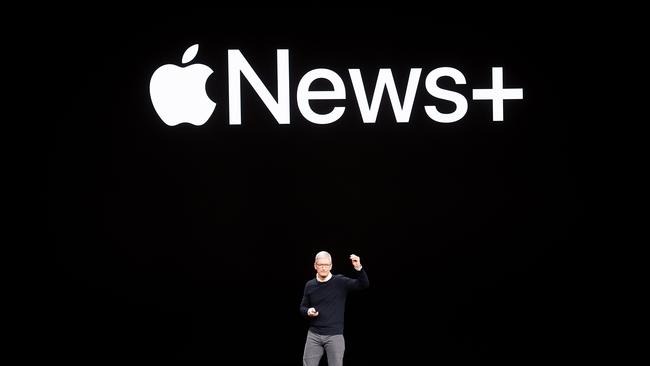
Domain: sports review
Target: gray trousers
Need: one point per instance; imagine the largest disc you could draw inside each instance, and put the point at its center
(334, 345)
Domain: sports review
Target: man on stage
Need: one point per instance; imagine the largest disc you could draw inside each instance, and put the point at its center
(323, 302)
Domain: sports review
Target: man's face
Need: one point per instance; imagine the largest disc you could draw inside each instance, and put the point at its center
(323, 267)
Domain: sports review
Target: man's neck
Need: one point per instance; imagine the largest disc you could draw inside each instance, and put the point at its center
(319, 279)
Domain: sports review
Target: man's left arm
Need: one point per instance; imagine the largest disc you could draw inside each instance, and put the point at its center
(361, 282)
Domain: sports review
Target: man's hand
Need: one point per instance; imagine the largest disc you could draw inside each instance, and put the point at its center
(356, 261)
(312, 312)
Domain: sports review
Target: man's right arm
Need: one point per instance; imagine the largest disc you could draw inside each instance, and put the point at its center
(305, 303)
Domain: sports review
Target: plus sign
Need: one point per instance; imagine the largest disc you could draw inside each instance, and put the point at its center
(497, 94)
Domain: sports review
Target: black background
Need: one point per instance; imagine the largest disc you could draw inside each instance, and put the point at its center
(191, 245)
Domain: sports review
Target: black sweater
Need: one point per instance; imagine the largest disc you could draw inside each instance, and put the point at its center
(328, 298)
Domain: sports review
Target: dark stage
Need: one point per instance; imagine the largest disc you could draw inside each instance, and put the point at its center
(191, 245)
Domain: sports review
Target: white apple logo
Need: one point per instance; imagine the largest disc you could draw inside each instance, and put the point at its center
(178, 93)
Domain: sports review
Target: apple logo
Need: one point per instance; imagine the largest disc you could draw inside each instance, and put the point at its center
(178, 93)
